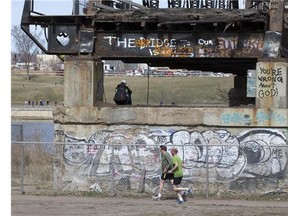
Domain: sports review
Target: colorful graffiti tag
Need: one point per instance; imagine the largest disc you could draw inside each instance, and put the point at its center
(261, 117)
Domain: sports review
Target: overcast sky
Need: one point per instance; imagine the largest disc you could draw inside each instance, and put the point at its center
(51, 7)
(47, 7)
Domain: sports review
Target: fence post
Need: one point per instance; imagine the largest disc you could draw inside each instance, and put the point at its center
(112, 171)
(22, 172)
(142, 182)
(207, 171)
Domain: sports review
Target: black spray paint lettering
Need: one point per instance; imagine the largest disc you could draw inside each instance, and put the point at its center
(271, 71)
(268, 93)
(269, 77)
(277, 153)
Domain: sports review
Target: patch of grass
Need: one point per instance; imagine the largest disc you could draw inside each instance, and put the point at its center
(168, 90)
(40, 87)
(178, 90)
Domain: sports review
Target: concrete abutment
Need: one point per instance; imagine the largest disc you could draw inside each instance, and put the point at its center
(83, 82)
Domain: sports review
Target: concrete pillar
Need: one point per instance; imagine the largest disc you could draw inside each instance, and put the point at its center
(271, 78)
(83, 82)
(271, 83)
(248, 4)
(276, 21)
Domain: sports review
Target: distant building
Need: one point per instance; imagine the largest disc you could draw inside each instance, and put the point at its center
(49, 62)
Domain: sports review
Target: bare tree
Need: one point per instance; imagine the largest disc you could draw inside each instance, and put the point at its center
(25, 47)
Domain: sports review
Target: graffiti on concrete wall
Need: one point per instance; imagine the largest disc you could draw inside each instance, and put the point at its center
(260, 117)
(250, 154)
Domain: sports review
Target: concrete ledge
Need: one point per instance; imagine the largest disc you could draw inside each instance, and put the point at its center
(173, 116)
(32, 115)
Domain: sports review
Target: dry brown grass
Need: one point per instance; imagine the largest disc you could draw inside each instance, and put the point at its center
(32, 162)
(166, 90)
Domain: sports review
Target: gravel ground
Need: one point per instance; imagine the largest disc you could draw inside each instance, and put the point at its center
(31, 205)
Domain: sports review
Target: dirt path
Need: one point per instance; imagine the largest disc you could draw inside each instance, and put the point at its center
(65, 205)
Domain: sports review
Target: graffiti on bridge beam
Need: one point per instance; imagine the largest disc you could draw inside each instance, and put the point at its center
(250, 154)
(186, 45)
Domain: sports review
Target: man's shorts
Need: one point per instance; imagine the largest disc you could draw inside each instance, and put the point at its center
(177, 180)
(166, 176)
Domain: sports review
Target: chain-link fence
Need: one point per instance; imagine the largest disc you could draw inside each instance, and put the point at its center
(109, 169)
(32, 166)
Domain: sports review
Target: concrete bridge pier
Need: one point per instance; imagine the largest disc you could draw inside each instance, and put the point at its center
(83, 82)
(271, 71)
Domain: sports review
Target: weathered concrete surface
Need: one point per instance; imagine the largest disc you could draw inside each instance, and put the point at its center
(271, 84)
(236, 153)
(277, 14)
(83, 82)
(172, 116)
(31, 115)
(250, 142)
(155, 116)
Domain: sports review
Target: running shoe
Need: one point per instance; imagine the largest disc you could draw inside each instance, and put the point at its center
(190, 190)
(180, 202)
(156, 198)
(184, 196)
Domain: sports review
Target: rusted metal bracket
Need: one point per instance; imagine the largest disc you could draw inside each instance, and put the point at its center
(64, 34)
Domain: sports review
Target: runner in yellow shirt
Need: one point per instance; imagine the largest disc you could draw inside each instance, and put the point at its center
(178, 175)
